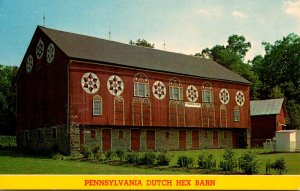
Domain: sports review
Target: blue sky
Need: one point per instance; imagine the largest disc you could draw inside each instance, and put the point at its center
(186, 26)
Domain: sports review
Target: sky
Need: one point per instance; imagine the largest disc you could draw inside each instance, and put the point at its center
(184, 26)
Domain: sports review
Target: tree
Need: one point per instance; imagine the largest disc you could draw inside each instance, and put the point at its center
(232, 57)
(141, 42)
(279, 73)
(7, 100)
(238, 45)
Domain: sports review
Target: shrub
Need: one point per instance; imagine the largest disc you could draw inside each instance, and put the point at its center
(279, 166)
(249, 163)
(132, 158)
(206, 161)
(99, 156)
(86, 151)
(59, 156)
(148, 158)
(185, 161)
(109, 155)
(163, 158)
(120, 154)
(96, 149)
(268, 167)
(228, 162)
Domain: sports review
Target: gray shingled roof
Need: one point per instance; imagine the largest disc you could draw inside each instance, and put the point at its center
(266, 107)
(100, 50)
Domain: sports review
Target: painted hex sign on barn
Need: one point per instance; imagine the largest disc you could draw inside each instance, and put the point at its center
(192, 93)
(39, 49)
(90, 83)
(240, 98)
(224, 96)
(159, 90)
(115, 85)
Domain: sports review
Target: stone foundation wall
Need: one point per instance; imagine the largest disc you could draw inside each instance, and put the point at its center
(161, 141)
(45, 139)
(67, 141)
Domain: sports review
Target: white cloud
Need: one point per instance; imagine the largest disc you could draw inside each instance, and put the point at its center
(203, 12)
(292, 8)
(210, 11)
(238, 14)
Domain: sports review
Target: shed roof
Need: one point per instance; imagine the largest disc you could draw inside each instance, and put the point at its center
(266, 107)
(83, 47)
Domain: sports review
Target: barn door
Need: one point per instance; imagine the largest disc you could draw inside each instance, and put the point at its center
(135, 139)
(215, 139)
(150, 140)
(195, 139)
(106, 139)
(182, 139)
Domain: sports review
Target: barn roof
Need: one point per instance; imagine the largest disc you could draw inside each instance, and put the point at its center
(266, 107)
(83, 47)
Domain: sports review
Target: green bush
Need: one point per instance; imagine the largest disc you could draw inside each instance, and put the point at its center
(86, 151)
(58, 156)
(109, 155)
(132, 158)
(206, 161)
(99, 156)
(279, 166)
(120, 154)
(148, 158)
(185, 161)
(228, 162)
(163, 158)
(96, 149)
(249, 163)
(268, 167)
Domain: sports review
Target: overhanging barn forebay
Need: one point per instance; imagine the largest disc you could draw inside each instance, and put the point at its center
(75, 90)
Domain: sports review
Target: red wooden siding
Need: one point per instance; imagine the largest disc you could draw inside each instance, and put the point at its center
(150, 139)
(119, 114)
(42, 94)
(215, 139)
(136, 112)
(280, 119)
(182, 139)
(146, 112)
(223, 117)
(195, 139)
(135, 139)
(158, 113)
(106, 139)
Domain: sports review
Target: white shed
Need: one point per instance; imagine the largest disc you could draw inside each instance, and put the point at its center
(288, 140)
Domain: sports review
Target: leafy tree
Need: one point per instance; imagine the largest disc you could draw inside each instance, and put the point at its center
(232, 57)
(7, 100)
(279, 73)
(141, 42)
(238, 45)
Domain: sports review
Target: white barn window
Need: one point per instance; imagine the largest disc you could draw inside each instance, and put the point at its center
(141, 85)
(207, 93)
(97, 105)
(175, 89)
(236, 114)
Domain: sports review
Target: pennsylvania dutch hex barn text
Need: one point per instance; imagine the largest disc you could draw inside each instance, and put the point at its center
(75, 90)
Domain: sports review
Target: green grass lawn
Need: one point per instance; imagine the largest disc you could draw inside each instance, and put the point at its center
(14, 163)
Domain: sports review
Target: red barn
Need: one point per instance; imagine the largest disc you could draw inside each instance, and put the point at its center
(267, 117)
(75, 90)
